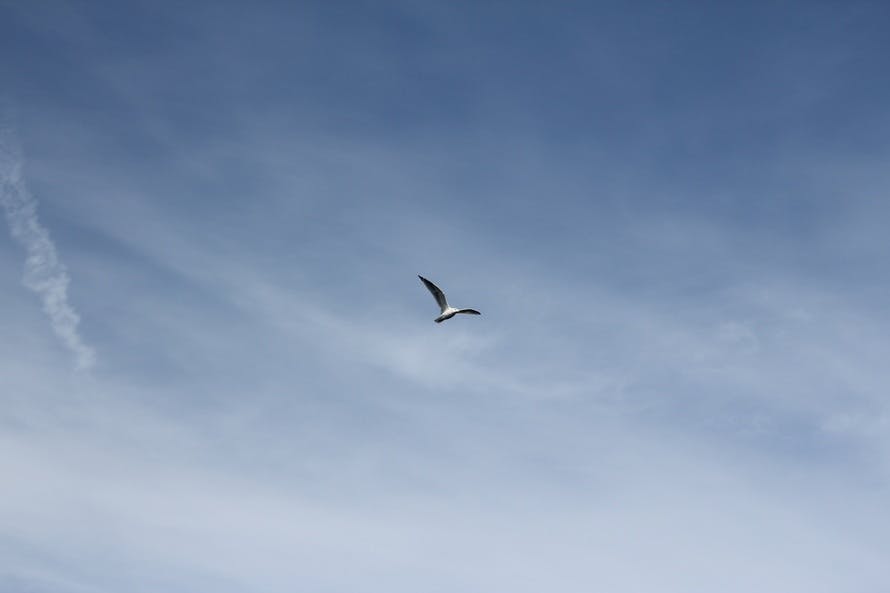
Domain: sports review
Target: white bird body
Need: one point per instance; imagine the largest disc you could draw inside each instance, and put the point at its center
(447, 310)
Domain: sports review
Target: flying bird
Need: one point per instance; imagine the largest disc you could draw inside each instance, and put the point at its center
(447, 311)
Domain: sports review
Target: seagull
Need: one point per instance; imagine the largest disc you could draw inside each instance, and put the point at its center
(447, 311)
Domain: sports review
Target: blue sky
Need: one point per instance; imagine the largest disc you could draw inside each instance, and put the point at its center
(219, 372)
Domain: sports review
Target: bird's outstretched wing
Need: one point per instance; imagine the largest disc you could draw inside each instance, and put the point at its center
(437, 293)
(469, 311)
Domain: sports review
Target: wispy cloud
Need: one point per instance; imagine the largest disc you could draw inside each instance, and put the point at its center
(45, 274)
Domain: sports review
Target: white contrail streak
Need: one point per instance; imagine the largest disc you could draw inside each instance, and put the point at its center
(44, 273)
